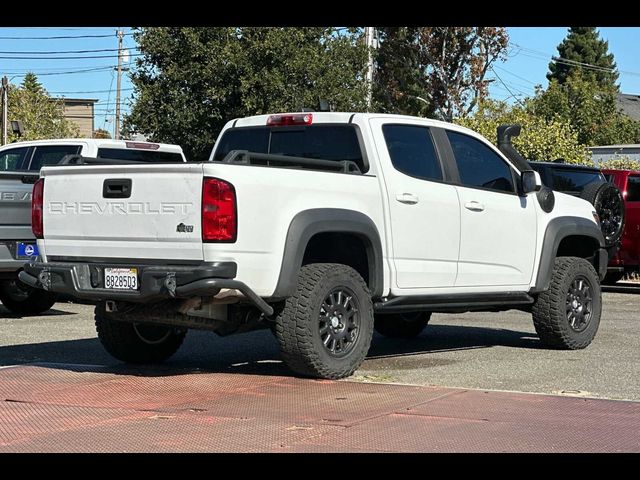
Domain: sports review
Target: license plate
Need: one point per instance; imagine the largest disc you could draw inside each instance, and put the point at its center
(121, 278)
(26, 250)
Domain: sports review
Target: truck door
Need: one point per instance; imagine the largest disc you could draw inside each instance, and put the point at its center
(423, 209)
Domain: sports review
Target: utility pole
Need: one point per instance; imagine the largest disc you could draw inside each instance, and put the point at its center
(5, 108)
(369, 38)
(116, 134)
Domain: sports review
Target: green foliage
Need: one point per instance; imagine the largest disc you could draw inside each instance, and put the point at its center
(41, 116)
(591, 111)
(540, 139)
(101, 133)
(583, 45)
(620, 162)
(190, 81)
(435, 71)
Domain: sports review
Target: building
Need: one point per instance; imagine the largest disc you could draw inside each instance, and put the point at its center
(612, 152)
(629, 104)
(80, 111)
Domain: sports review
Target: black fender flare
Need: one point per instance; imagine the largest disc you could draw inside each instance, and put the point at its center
(308, 223)
(558, 229)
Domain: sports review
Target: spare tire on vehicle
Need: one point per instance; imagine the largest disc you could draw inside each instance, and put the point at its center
(609, 205)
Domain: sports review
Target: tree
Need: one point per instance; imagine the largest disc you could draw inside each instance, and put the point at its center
(584, 53)
(190, 81)
(591, 111)
(42, 116)
(101, 133)
(436, 71)
(540, 139)
(620, 162)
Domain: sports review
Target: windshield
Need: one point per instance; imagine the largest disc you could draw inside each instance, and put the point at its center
(326, 142)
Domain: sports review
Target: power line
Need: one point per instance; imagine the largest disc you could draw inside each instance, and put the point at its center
(68, 58)
(517, 76)
(71, 72)
(574, 63)
(91, 91)
(61, 37)
(56, 52)
(505, 86)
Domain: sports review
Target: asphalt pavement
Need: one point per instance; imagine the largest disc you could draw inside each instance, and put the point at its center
(494, 351)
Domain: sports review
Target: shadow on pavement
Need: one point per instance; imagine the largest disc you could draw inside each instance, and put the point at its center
(256, 352)
(4, 313)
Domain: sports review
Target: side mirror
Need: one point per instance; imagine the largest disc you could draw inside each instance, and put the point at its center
(530, 181)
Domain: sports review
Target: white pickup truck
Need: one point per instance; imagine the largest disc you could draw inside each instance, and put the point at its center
(20, 165)
(323, 226)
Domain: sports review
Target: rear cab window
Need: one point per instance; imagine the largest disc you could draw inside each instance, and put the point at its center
(566, 180)
(412, 151)
(14, 159)
(320, 141)
(150, 156)
(51, 155)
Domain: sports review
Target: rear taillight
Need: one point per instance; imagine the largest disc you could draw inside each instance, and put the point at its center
(219, 213)
(290, 119)
(37, 201)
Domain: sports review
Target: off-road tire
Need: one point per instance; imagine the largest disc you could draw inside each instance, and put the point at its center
(123, 340)
(551, 308)
(401, 325)
(23, 300)
(298, 324)
(608, 202)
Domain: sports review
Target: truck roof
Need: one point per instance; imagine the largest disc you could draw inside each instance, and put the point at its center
(344, 117)
(101, 143)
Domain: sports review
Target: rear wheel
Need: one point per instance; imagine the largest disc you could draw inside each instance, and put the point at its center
(402, 325)
(325, 327)
(136, 342)
(22, 299)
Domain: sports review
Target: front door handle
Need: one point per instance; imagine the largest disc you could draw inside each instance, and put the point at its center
(474, 206)
(408, 198)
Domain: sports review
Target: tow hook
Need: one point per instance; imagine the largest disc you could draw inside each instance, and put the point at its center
(110, 306)
(170, 283)
(44, 277)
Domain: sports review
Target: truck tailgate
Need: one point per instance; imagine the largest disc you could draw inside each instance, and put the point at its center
(15, 206)
(123, 212)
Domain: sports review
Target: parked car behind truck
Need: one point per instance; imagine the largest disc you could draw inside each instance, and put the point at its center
(322, 227)
(20, 164)
(627, 259)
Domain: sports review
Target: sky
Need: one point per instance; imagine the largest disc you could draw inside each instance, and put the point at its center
(64, 76)
(530, 50)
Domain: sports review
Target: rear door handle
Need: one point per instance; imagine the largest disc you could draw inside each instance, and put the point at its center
(408, 198)
(474, 206)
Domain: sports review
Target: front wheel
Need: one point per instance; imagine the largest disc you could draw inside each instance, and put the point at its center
(325, 327)
(22, 299)
(136, 342)
(567, 315)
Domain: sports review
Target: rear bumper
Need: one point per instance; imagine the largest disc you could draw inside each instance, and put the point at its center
(156, 282)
